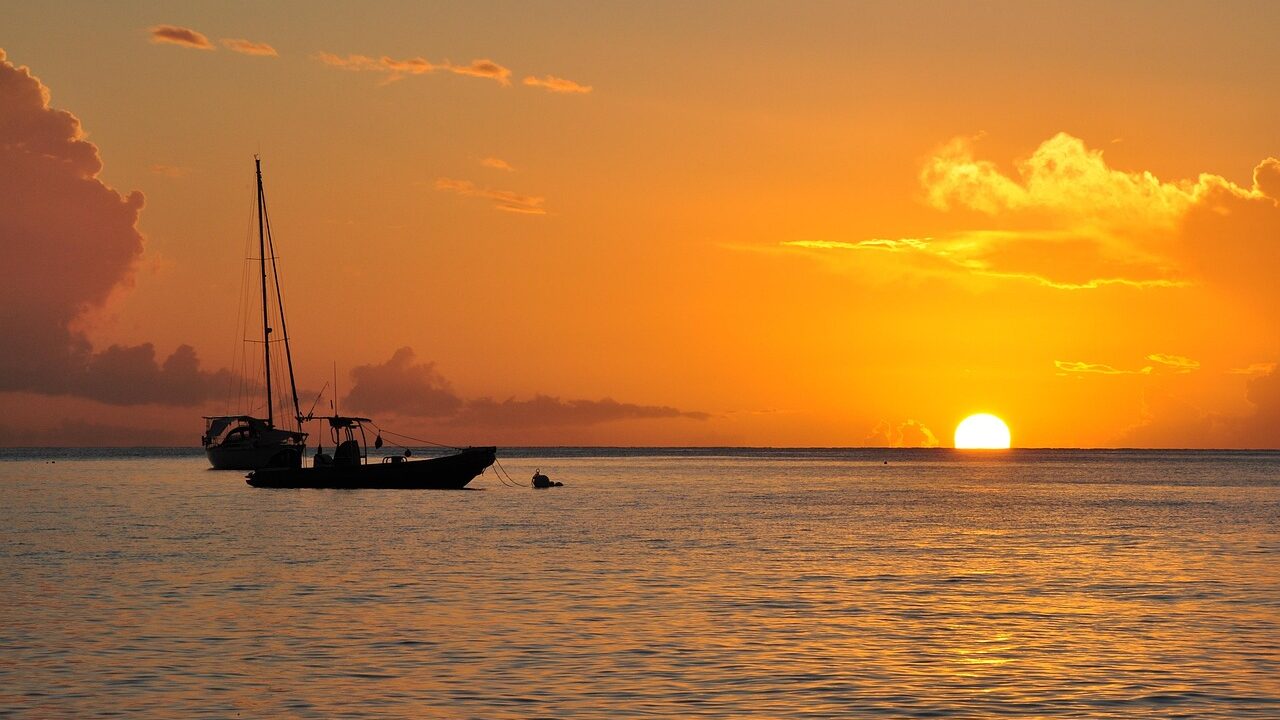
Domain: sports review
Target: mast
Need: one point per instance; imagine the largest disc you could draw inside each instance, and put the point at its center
(284, 328)
(266, 323)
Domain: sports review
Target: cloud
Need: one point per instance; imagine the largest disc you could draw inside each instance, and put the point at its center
(53, 205)
(396, 69)
(248, 47)
(502, 199)
(1097, 368)
(185, 37)
(483, 68)
(1259, 368)
(898, 245)
(401, 386)
(1065, 220)
(1063, 178)
(497, 164)
(909, 433)
(554, 84)
(1170, 421)
(1177, 363)
(1266, 179)
(548, 410)
(983, 253)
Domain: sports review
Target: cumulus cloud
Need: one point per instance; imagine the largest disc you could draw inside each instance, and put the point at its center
(554, 84)
(249, 47)
(1065, 220)
(504, 200)
(396, 69)
(908, 433)
(55, 206)
(185, 37)
(1062, 177)
(403, 386)
(1170, 421)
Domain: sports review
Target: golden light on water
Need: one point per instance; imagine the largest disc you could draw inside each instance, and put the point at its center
(983, 431)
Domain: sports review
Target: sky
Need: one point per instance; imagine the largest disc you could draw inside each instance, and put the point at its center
(747, 223)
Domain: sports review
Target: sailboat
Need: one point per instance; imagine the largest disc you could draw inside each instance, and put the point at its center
(248, 442)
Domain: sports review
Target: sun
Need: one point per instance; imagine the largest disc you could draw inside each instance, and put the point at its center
(982, 432)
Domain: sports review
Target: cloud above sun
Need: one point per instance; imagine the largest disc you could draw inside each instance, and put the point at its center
(1066, 220)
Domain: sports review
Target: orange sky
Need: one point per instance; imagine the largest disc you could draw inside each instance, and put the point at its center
(676, 224)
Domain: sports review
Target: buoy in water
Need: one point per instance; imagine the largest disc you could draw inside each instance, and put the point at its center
(542, 481)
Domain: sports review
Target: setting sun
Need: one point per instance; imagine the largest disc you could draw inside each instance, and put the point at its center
(982, 432)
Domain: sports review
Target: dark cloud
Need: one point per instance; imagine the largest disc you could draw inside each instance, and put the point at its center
(1174, 423)
(548, 410)
(175, 35)
(404, 387)
(68, 240)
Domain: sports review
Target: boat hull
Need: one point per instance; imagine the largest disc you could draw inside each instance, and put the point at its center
(451, 472)
(253, 458)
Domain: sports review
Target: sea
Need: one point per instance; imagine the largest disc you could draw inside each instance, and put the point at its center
(732, 583)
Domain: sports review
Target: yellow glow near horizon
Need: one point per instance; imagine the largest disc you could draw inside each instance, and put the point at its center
(983, 431)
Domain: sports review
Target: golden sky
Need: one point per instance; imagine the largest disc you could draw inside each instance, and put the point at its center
(744, 223)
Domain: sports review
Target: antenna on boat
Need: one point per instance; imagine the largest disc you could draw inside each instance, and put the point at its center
(335, 388)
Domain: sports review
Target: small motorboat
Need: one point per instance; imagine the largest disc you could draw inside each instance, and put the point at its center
(349, 468)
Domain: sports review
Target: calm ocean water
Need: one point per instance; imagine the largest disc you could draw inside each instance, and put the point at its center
(1031, 584)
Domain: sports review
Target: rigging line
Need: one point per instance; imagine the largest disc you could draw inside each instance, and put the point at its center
(410, 437)
(239, 363)
(312, 411)
(284, 329)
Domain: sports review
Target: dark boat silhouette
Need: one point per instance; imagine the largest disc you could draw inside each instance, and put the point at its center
(243, 441)
(349, 466)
